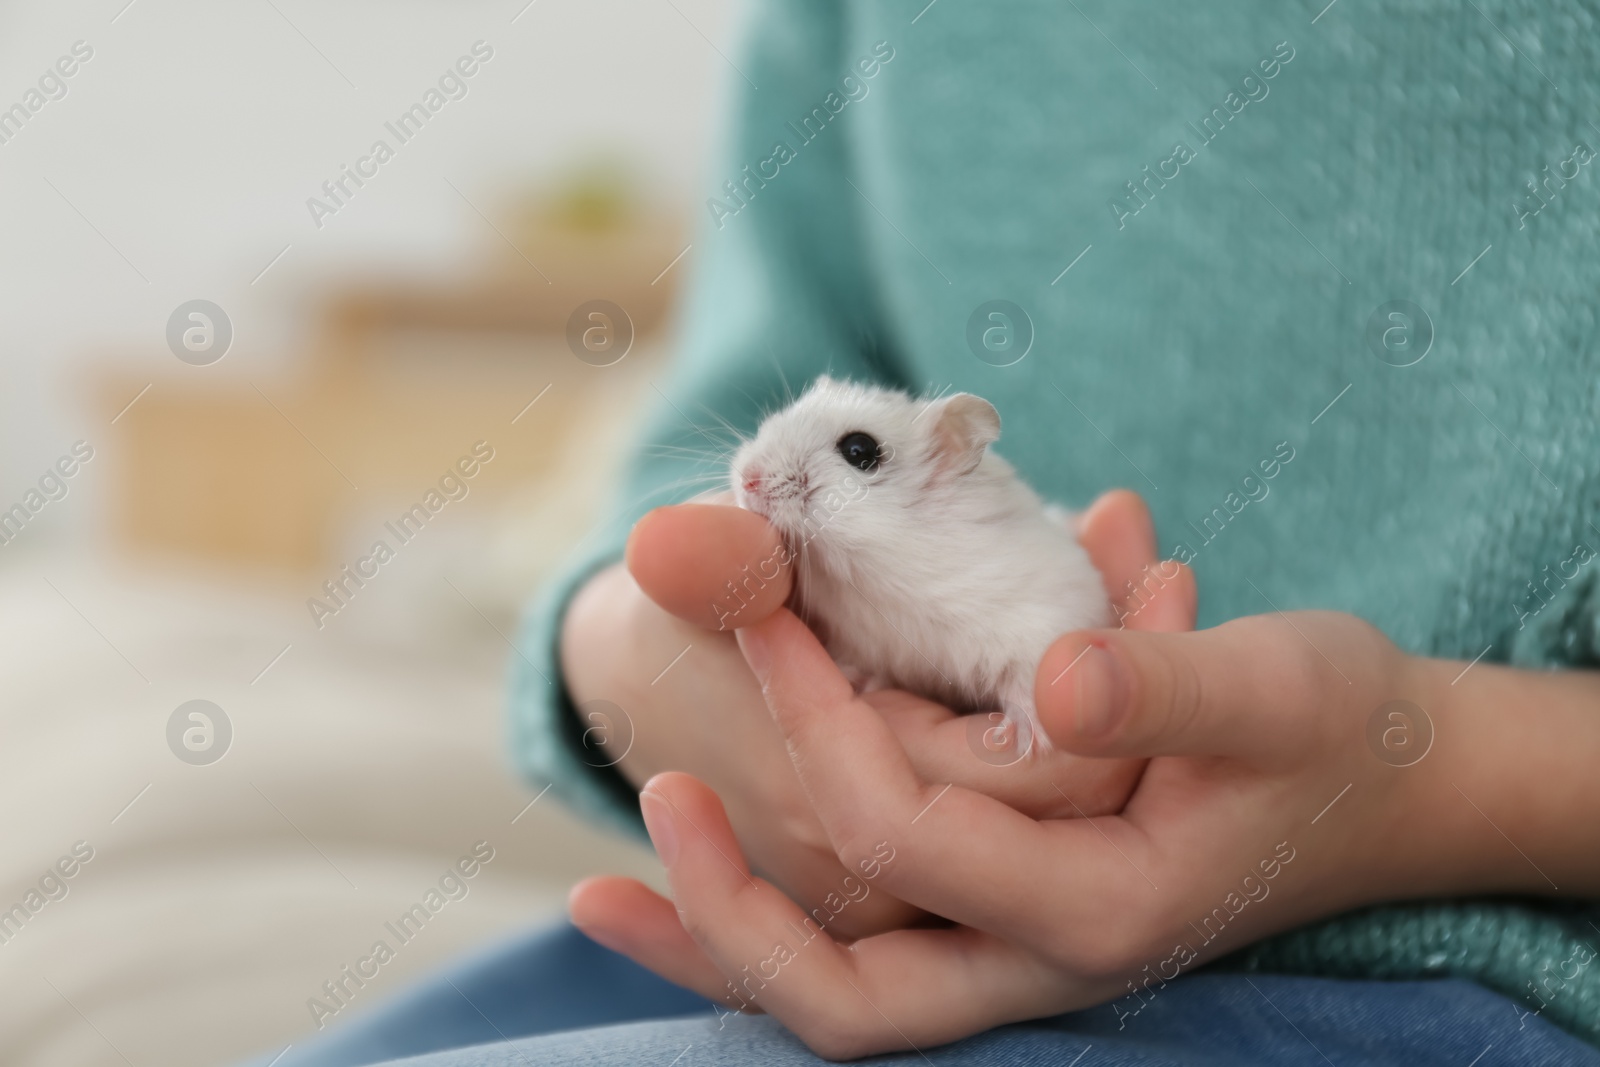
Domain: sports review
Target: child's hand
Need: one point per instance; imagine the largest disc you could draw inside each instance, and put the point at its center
(1268, 801)
(701, 713)
(704, 714)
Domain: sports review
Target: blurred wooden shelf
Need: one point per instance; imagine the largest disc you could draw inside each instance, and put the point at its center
(222, 471)
(399, 381)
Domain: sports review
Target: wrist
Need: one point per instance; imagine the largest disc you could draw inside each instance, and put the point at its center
(1508, 797)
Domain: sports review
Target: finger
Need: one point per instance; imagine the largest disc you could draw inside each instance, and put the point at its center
(971, 752)
(1120, 538)
(629, 917)
(1146, 593)
(842, 1002)
(785, 840)
(1234, 690)
(1162, 600)
(966, 856)
(808, 875)
(715, 566)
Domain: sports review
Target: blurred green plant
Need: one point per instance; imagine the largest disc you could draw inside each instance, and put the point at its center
(597, 196)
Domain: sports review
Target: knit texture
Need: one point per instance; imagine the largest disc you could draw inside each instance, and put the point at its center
(1207, 213)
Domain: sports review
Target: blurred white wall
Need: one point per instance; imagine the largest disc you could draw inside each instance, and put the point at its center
(177, 166)
(179, 162)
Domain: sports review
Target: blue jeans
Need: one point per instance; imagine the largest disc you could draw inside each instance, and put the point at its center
(555, 997)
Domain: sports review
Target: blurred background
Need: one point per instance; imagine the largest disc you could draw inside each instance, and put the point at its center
(228, 370)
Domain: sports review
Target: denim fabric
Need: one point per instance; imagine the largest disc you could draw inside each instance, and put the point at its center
(554, 998)
(551, 979)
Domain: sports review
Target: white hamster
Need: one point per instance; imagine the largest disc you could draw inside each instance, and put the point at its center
(924, 562)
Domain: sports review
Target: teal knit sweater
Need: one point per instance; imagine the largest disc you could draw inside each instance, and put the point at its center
(1363, 236)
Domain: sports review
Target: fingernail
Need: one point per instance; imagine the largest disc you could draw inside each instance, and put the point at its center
(659, 822)
(1097, 692)
(757, 653)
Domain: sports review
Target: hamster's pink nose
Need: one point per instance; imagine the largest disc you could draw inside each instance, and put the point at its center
(752, 480)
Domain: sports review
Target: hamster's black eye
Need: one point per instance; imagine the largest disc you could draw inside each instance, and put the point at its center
(859, 450)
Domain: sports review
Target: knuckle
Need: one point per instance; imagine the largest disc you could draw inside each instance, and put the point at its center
(797, 823)
(805, 735)
(873, 836)
(696, 924)
(1188, 696)
(1298, 672)
(1358, 626)
(1361, 637)
(864, 850)
(1170, 693)
(1285, 659)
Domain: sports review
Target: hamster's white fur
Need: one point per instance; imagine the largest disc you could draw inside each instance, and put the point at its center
(937, 570)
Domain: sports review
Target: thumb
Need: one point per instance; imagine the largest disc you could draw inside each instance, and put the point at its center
(1234, 690)
(716, 566)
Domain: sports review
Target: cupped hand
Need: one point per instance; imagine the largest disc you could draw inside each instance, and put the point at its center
(1264, 804)
(647, 639)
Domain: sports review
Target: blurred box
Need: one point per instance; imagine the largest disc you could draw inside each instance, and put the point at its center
(402, 377)
(227, 472)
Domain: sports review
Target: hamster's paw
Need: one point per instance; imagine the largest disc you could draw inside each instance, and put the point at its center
(862, 681)
(1022, 718)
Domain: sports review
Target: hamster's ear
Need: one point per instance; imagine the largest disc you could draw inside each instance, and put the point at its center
(963, 425)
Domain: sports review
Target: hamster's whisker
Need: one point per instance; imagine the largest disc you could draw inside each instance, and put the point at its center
(689, 481)
(756, 405)
(696, 427)
(672, 490)
(686, 452)
(733, 430)
(788, 393)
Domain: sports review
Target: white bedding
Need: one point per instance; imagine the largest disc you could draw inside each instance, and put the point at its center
(219, 898)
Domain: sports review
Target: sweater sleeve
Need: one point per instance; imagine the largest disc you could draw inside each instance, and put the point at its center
(781, 294)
